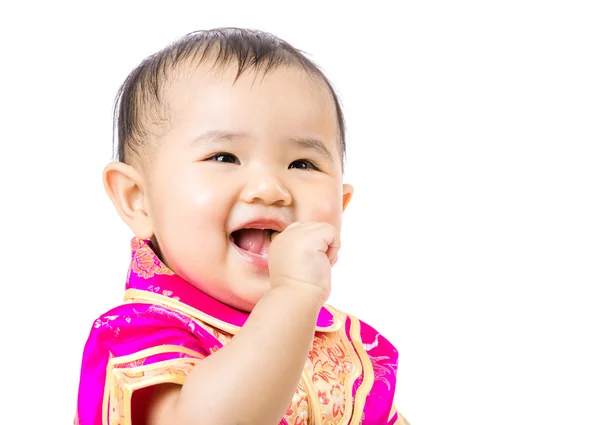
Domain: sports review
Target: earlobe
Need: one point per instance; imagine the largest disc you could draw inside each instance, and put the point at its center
(125, 188)
(348, 191)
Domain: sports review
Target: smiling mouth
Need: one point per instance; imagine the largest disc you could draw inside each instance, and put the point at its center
(255, 241)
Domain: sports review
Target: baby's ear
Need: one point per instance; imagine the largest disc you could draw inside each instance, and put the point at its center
(125, 187)
(348, 191)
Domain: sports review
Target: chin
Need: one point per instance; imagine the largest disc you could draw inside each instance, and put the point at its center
(241, 304)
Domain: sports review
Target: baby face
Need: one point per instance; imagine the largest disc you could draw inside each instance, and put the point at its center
(237, 158)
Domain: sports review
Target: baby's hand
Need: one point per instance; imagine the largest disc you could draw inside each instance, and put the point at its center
(302, 256)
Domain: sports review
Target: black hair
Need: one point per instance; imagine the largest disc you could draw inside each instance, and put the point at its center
(140, 98)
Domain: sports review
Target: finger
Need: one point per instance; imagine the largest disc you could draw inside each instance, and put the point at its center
(336, 242)
(332, 254)
(275, 233)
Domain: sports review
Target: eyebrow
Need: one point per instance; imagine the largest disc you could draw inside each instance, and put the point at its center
(214, 136)
(315, 145)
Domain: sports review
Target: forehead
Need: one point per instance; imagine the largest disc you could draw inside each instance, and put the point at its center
(285, 102)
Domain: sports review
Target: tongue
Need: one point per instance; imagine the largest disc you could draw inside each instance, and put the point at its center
(253, 240)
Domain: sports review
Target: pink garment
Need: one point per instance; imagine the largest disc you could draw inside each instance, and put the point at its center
(165, 326)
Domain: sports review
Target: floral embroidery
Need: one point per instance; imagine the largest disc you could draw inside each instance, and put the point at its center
(337, 397)
(123, 377)
(302, 411)
(109, 322)
(144, 263)
(323, 371)
(297, 412)
(318, 343)
(135, 363)
(330, 373)
(338, 360)
(332, 369)
(381, 369)
(375, 344)
(289, 412)
(165, 292)
(323, 399)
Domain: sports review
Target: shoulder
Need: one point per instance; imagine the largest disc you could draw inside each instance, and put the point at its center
(135, 346)
(133, 327)
(379, 360)
(368, 340)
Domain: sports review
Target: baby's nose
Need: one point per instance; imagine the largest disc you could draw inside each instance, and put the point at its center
(268, 189)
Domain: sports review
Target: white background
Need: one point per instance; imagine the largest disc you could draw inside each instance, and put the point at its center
(472, 242)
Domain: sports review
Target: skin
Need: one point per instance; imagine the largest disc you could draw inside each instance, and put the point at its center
(231, 155)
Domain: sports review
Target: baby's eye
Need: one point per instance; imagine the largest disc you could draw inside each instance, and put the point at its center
(224, 157)
(303, 164)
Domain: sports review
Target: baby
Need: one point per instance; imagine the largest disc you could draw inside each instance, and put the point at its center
(230, 155)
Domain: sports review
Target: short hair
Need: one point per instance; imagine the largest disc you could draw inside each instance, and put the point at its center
(139, 100)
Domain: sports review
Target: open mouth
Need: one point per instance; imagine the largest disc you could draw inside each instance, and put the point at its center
(255, 241)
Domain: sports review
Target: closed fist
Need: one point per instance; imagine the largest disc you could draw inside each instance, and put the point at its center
(302, 256)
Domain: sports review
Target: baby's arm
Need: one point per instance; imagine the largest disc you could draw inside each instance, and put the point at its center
(252, 379)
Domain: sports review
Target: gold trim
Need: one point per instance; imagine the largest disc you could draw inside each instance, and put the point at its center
(164, 363)
(112, 369)
(337, 322)
(368, 375)
(313, 399)
(401, 420)
(153, 351)
(127, 395)
(351, 378)
(108, 384)
(146, 297)
(129, 388)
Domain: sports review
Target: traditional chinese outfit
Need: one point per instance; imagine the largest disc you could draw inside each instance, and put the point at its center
(166, 326)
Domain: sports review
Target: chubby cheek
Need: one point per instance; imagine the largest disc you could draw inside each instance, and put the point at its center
(189, 215)
(324, 206)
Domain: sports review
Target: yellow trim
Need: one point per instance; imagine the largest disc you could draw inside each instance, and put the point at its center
(368, 375)
(401, 420)
(313, 399)
(164, 363)
(153, 351)
(337, 322)
(128, 389)
(351, 378)
(127, 395)
(108, 384)
(146, 297)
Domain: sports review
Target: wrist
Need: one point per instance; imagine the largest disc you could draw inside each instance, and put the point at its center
(300, 293)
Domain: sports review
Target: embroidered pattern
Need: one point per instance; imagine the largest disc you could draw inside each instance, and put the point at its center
(298, 410)
(382, 367)
(165, 292)
(333, 370)
(144, 263)
(122, 379)
(332, 367)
